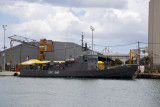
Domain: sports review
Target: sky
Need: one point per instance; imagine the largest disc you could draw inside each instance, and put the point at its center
(116, 22)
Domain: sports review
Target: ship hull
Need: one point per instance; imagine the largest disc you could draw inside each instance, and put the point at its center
(126, 71)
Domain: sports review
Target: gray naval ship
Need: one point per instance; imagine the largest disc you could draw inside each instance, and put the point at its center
(85, 66)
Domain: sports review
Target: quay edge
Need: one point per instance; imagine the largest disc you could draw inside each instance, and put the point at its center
(148, 76)
(9, 73)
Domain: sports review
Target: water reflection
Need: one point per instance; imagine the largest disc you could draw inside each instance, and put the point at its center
(78, 92)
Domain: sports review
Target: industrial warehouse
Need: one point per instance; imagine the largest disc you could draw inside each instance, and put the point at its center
(23, 52)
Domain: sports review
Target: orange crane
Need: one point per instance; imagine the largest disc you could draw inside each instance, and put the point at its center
(130, 57)
(43, 46)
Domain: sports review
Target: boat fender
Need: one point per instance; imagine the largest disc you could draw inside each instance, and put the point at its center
(75, 60)
(15, 74)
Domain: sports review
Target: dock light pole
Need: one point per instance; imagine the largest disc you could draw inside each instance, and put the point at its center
(139, 58)
(4, 27)
(92, 29)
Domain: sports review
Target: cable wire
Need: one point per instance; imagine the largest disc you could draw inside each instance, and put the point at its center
(116, 45)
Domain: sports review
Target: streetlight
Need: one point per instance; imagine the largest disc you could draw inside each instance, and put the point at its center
(4, 27)
(92, 29)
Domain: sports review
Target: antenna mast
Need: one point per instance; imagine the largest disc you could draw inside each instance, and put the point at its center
(82, 40)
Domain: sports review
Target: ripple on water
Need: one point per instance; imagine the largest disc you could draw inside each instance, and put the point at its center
(63, 92)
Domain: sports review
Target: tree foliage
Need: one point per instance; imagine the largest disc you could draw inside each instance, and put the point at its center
(127, 62)
(118, 62)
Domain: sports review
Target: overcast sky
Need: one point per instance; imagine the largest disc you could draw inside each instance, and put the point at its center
(115, 21)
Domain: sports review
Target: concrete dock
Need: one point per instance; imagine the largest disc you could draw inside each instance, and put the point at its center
(148, 75)
(9, 73)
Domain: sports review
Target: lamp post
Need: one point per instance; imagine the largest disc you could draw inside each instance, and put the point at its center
(4, 27)
(92, 29)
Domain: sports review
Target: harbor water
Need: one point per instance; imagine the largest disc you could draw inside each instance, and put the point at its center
(73, 92)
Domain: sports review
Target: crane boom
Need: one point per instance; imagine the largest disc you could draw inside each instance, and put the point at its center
(24, 40)
(43, 46)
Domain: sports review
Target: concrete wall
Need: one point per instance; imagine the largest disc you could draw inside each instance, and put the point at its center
(154, 31)
(60, 53)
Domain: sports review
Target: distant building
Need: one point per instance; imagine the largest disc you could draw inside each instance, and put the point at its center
(154, 32)
(125, 57)
(122, 57)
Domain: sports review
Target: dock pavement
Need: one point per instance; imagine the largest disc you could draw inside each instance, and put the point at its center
(9, 73)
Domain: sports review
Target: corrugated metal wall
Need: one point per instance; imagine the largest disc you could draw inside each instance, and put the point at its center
(62, 50)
